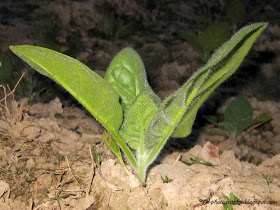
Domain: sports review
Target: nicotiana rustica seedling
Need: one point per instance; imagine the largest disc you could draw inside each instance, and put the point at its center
(137, 121)
(238, 117)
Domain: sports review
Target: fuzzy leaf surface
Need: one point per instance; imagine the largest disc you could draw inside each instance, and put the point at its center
(239, 116)
(137, 120)
(91, 90)
(239, 110)
(182, 106)
(127, 76)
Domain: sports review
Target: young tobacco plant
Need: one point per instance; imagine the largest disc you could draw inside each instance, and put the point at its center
(138, 122)
(238, 117)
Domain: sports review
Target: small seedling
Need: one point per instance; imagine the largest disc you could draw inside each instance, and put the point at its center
(77, 130)
(211, 38)
(238, 117)
(57, 198)
(44, 191)
(196, 161)
(232, 199)
(59, 158)
(218, 28)
(96, 155)
(137, 121)
(166, 179)
(268, 180)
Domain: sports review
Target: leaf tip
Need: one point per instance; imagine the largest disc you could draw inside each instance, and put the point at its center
(12, 48)
(261, 24)
(16, 48)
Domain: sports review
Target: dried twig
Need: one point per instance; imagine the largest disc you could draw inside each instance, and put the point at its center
(12, 91)
(93, 165)
(109, 200)
(80, 190)
(253, 127)
(60, 177)
(71, 170)
(31, 204)
(38, 207)
(177, 159)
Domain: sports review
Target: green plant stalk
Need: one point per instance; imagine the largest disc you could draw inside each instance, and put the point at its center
(142, 169)
(139, 166)
(142, 165)
(125, 149)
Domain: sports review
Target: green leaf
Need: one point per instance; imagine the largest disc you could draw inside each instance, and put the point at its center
(227, 58)
(236, 12)
(114, 147)
(127, 76)
(192, 39)
(233, 200)
(71, 117)
(166, 179)
(59, 116)
(239, 116)
(222, 65)
(263, 118)
(184, 127)
(196, 161)
(184, 103)
(91, 90)
(213, 37)
(212, 119)
(232, 129)
(96, 155)
(238, 110)
(137, 120)
(6, 69)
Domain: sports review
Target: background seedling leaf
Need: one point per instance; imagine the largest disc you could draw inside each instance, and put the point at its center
(236, 128)
(127, 76)
(212, 119)
(137, 120)
(263, 118)
(238, 110)
(238, 117)
(236, 12)
(212, 38)
(91, 90)
(184, 103)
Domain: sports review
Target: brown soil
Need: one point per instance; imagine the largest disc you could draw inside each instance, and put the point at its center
(46, 163)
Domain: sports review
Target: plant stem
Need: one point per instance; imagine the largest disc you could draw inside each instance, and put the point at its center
(141, 170)
(125, 149)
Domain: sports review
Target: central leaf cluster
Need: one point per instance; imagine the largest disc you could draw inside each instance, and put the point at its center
(127, 76)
